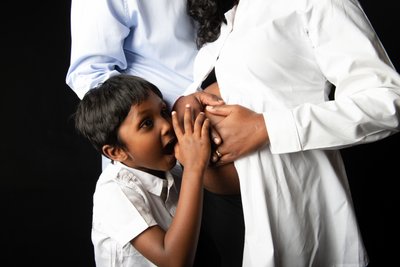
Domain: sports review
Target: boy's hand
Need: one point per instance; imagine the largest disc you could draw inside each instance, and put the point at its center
(193, 147)
(198, 101)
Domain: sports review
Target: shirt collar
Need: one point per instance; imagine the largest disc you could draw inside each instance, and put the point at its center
(230, 16)
(151, 183)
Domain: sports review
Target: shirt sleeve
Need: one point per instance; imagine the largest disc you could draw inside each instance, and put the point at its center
(123, 211)
(98, 30)
(367, 86)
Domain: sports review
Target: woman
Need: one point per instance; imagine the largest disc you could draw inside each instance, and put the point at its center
(302, 79)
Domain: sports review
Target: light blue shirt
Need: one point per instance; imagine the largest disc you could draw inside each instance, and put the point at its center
(153, 39)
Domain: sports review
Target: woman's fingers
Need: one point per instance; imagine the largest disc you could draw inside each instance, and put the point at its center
(208, 99)
(220, 110)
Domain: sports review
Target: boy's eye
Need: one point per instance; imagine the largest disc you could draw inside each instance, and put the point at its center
(146, 123)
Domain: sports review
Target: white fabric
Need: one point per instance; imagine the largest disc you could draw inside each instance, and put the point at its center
(280, 58)
(125, 203)
(104, 162)
(152, 39)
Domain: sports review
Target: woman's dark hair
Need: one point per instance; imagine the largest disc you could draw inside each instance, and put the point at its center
(103, 108)
(209, 14)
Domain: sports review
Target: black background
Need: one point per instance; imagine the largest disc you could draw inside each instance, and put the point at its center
(49, 173)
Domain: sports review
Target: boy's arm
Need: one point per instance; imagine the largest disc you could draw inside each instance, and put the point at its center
(177, 245)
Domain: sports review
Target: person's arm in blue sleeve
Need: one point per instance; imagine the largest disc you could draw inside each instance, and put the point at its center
(98, 31)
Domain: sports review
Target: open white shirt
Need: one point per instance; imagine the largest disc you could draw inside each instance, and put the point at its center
(281, 58)
(126, 202)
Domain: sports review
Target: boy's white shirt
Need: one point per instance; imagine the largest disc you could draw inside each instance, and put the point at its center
(126, 202)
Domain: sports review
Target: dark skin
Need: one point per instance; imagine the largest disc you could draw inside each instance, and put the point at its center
(231, 138)
(220, 178)
(242, 130)
(177, 245)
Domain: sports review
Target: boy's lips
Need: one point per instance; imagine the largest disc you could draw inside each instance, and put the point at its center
(169, 147)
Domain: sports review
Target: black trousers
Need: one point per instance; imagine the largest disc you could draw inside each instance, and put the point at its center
(221, 238)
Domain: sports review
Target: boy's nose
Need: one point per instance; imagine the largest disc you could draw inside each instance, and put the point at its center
(167, 126)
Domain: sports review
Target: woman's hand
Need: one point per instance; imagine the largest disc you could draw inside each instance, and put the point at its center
(242, 131)
(197, 101)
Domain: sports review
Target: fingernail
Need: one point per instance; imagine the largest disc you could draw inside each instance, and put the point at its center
(209, 107)
(216, 140)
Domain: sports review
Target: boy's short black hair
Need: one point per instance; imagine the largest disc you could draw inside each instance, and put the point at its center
(103, 108)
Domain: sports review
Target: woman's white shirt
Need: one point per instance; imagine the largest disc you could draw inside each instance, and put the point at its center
(281, 58)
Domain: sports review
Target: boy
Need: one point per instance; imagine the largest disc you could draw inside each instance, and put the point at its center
(137, 218)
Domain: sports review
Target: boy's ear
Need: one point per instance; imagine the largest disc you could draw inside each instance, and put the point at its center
(114, 153)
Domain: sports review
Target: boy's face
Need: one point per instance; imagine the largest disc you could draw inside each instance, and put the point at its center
(148, 136)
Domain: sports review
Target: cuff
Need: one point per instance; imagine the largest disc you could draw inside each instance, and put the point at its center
(282, 131)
